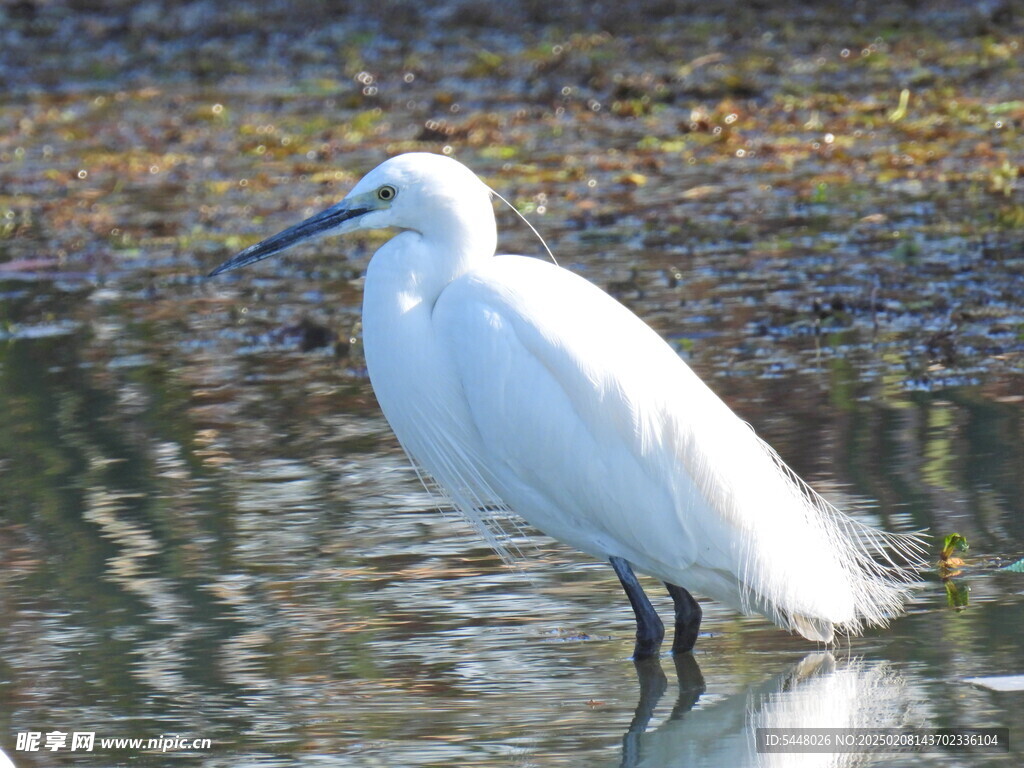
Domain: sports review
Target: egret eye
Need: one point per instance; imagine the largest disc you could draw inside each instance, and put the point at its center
(386, 193)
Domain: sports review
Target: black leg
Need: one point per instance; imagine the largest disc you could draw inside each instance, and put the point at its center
(649, 629)
(688, 616)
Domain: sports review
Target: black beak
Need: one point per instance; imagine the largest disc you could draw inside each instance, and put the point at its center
(314, 225)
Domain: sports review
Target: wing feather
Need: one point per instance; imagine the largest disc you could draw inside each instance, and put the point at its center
(596, 432)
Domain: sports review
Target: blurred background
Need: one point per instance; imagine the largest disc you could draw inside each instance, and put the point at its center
(206, 526)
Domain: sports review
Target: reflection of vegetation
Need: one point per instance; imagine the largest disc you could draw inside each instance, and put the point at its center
(938, 447)
(901, 454)
(957, 595)
(67, 440)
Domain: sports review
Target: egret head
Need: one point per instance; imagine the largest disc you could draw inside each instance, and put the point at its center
(431, 194)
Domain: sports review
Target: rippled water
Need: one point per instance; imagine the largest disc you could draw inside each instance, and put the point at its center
(211, 533)
(206, 527)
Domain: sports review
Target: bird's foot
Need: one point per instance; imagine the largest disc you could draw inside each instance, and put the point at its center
(688, 617)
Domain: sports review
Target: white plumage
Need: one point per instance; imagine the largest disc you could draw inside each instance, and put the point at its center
(519, 385)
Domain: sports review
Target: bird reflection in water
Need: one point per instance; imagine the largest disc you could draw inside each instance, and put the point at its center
(817, 692)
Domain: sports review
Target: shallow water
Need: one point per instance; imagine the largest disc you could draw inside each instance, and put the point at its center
(231, 546)
(206, 527)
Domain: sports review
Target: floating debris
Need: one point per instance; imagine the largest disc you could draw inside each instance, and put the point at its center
(999, 682)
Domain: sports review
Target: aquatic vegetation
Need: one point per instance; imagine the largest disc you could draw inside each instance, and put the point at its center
(954, 542)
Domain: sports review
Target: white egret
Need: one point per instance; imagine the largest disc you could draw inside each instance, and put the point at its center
(516, 384)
